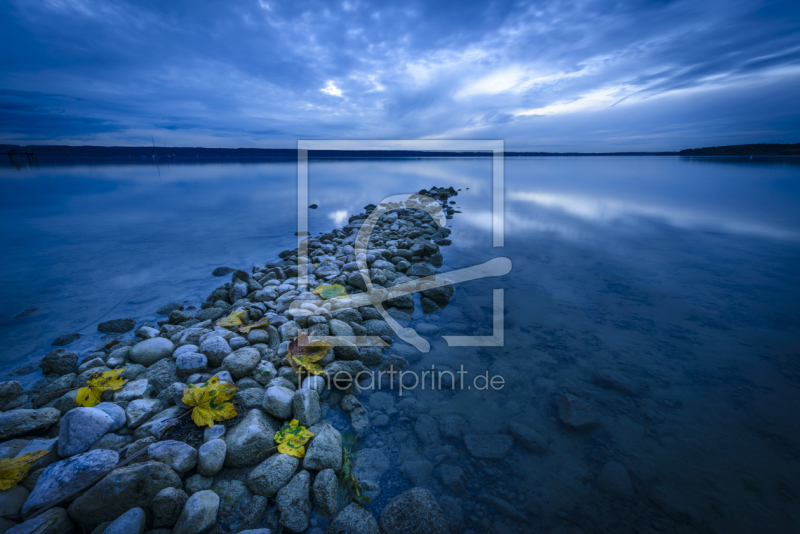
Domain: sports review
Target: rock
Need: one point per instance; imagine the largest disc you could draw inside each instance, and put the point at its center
(613, 379)
(452, 426)
(166, 309)
(238, 508)
(197, 483)
(272, 474)
(250, 398)
(140, 411)
(11, 501)
(116, 326)
(306, 407)
(115, 412)
(258, 336)
(371, 464)
(111, 442)
(151, 351)
(504, 508)
(346, 350)
(180, 456)
(439, 295)
(354, 520)
(211, 457)
(59, 362)
(376, 327)
(528, 437)
(417, 471)
(131, 522)
(80, 428)
(210, 314)
(576, 412)
(53, 521)
(54, 389)
(340, 328)
(135, 485)
(63, 477)
(241, 362)
(222, 271)
(215, 348)
(452, 478)
(199, 514)
(159, 422)
(427, 430)
(325, 450)
(421, 269)
(136, 389)
(167, 506)
(264, 372)
(213, 432)
(118, 357)
(10, 392)
(278, 402)
(324, 490)
(490, 447)
(615, 480)
(189, 363)
(294, 503)
(162, 374)
(413, 512)
(249, 438)
(90, 364)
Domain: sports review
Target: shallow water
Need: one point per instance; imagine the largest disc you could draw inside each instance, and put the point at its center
(681, 274)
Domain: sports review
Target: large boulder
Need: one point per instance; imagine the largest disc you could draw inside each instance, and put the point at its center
(80, 428)
(21, 421)
(294, 502)
(272, 474)
(413, 512)
(151, 351)
(128, 487)
(249, 439)
(199, 514)
(62, 478)
(59, 362)
(354, 520)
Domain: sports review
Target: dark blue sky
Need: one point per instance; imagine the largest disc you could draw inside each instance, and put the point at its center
(594, 75)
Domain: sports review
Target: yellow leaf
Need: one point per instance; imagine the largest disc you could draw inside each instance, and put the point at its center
(330, 291)
(231, 321)
(303, 354)
(98, 383)
(12, 470)
(209, 401)
(258, 324)
(291, 438)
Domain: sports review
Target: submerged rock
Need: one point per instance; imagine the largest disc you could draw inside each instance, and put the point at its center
(116, 326)
(59, 362)
(615, 480)
(490, 447)
(354, 520)
(576, 412)
(413, 512)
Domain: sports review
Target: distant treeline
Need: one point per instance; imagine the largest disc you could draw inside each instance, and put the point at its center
(761, 149)
(145, 153)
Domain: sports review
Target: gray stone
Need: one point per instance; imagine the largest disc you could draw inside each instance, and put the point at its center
(215, 348)
(9, 392)
(241, 362)
(371, 464)
(137, 389)
(112, 442)
(53, 521)
(528, 437)
(306, 407)
(80, 428)
(159, 422)
(439, 295)
(180, 456)
(151, 351)
(184, 349)
(413, 512)
(189, 363)
(63, 477)
(264, 372)
(452, 426)
(576, 412)
(346, 350)
(213, 432)
(249, 439)
(162, 374)
(238, 507)
(167, 506)
(115, 412)
(490, 447)
(324, 490)
(197, 483)
(127, 487)
(211, 457)
(294, 502)
(140, 411)
(272, 474)
(250, 398)
(59, 361)
(417, 471)
(278, 402)
(21, 421)
(54, 389)
(91, 364)
(199, 514)
(615, 480)
(131, 522)
(354, 520)
(116, 326)
(325, 450)
(421, 269)
(376, 327)
(258, 336)
(340, 328)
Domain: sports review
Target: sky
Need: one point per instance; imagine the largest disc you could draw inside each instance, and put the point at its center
(591, 75)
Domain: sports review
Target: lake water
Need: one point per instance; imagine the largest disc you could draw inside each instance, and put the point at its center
(679, 275)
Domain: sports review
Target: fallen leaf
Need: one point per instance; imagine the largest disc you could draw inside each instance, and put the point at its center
(301, 353)
(231, 321)
(258, 324)
(291, 439)
(109, 345)
(98, 383)
(12, 470)
(330, 291)
(209, 401)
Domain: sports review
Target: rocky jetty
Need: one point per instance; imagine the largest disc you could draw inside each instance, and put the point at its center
(142, 467)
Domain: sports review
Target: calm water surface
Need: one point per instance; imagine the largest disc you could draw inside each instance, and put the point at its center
(679, 274)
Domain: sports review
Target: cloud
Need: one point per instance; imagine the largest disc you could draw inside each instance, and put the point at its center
(594, 75)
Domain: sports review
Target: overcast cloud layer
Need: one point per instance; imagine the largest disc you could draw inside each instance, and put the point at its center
(594, 75)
